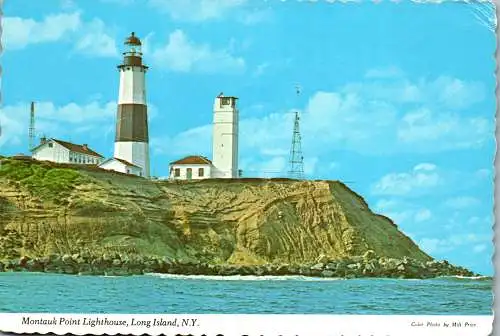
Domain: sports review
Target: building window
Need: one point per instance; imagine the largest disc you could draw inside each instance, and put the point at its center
(201, 171)
(225, 101)
(51, 145)
(177, 172)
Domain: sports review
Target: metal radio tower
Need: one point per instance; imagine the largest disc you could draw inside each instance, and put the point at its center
(31, 132)
(296, 161)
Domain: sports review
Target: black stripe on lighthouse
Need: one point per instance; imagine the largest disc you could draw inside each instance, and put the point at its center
(132, 123)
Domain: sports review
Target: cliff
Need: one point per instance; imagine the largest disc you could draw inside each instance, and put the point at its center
(47, 208)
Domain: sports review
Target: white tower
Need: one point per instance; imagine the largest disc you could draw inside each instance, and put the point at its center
(225, 137)
(132, 139)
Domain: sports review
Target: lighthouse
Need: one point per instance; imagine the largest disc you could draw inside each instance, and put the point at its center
(132, 139)
(225, 137)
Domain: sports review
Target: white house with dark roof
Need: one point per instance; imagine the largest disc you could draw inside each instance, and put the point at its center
(59, 151)
(122, 166)
(192, 167)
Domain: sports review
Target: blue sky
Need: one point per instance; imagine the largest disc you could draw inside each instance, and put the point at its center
(397, 99)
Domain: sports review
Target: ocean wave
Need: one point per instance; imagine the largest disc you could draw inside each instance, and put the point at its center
(242, 277)
(460, 277)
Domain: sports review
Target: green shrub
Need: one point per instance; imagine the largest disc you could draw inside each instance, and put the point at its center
(42, 180)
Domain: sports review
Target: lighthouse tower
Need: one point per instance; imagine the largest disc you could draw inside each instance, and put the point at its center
(225, 137)
(132, 139)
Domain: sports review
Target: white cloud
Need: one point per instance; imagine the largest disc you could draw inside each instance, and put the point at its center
(362, 118)
(423, 127)
(204, 10)
(480, 248)
(401, 212)
(261, 69)
(425, 167)
(442, 245)
(91, 38)
(457, 94)
(272, 167)
(421, 178)
(68, 5)
(96, 41)
(255, 16)
(195, 141)
(461, 202)
(55, 121)
(434, 245)
(243, 11)
(19, 32)
(390, 84)
(333, 165)
(181, 54)
(423, 215)
(196, 10)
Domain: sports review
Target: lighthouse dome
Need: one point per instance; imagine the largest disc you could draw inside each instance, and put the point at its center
(133, 40)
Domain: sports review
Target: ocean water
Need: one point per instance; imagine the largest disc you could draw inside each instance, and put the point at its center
(171, 294)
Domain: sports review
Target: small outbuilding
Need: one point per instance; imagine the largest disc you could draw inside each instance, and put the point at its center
(121, 166)
(192, 167)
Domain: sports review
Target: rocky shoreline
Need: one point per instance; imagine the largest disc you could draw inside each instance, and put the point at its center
(368, 265)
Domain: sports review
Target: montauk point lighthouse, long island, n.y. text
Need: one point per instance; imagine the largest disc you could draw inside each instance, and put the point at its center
(131, 150)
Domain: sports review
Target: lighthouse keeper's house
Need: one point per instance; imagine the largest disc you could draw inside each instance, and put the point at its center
(65, 152)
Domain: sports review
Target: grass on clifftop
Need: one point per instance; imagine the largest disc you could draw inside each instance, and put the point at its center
(41, 179)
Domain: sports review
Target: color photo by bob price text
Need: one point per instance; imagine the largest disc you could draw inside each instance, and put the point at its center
(97, 321)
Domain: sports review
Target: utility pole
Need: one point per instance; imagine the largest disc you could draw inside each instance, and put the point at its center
(296, 161)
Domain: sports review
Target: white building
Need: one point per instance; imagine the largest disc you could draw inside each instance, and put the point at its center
(121, 166)
(65, 152)
(191, 168)
(132, 138)
(225, 138)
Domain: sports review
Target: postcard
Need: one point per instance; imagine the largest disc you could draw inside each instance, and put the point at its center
(247, 167)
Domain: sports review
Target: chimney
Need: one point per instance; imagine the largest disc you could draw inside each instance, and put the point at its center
(85, 147)
(43, 140)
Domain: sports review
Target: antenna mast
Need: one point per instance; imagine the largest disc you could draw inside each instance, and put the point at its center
(296, 161)
(31, 132)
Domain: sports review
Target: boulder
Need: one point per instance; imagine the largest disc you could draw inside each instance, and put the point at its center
(23, 260)
(369, 255)
(327, 274)
(354, 266)
(66, 259)
(35, 265)
(318, 267)
(331, 266)
(304, 270)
